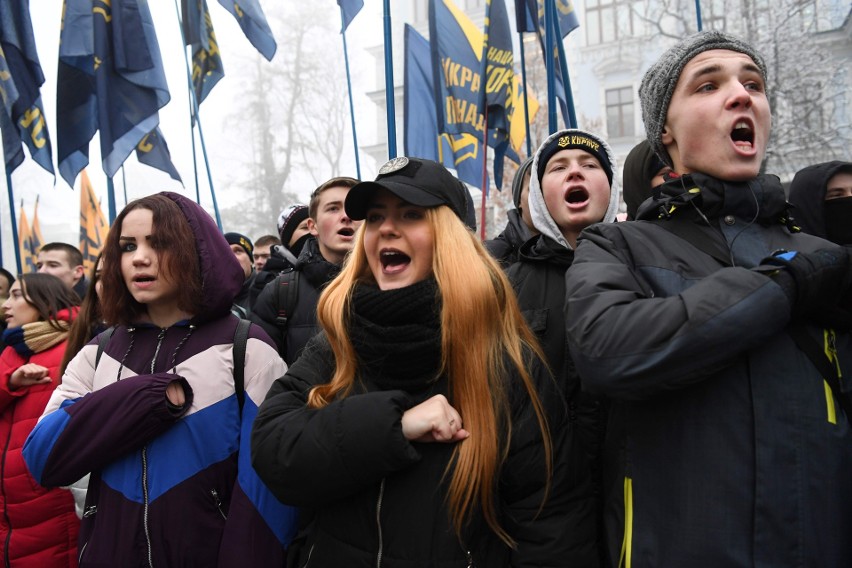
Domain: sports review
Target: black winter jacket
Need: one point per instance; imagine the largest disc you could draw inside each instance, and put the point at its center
(725, 447)
(506, 246)
(315, 273)
(380, 499)
(539, 282)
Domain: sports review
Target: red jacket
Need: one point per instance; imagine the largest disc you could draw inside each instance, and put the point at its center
(38, 526)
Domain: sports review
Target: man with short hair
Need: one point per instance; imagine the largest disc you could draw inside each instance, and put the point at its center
(286, 308)
(66, 263)
(716, 331)
(263, 250)
(242, 248)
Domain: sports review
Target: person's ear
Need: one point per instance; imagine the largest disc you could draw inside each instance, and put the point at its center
(666, 137)
(312, 227)
(79, 271)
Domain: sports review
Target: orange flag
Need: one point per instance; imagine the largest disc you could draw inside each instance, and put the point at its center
(93, 225)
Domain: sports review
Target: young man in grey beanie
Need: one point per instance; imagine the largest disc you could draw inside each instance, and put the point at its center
(721, 337)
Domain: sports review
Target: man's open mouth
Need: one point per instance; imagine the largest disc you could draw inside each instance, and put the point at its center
(577, 195)
(743, 133)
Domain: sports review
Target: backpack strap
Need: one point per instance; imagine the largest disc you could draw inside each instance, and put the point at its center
(241, 334)
(103, 339)
(288, 286)
(831, 373)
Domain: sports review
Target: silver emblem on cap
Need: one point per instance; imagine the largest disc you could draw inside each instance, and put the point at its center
(393, 165)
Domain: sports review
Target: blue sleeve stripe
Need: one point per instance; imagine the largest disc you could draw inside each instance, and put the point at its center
(41, 440)
(282, 519)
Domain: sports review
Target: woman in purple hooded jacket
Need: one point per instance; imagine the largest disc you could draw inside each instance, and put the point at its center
(155, 417)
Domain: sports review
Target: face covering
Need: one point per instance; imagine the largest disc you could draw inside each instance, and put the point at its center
(838, 220)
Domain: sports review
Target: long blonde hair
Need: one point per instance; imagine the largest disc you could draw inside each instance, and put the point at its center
(481, 325)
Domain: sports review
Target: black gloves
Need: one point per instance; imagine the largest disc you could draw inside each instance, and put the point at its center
(816, 283)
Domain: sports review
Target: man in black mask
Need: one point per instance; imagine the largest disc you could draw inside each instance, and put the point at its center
(822, 196)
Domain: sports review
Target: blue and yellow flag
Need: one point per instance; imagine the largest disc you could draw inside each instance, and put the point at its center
(529, 16)
(25, 242)
(498, 95)
(93, 225)
(348, 10)
(198, 33)
(568, 22)
(153, 151)
(253, 23)
(110, 79)
(517, 122)
(461, 152)
(456, 52)
(21, 111)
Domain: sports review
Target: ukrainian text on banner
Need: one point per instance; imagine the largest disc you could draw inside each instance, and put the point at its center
(460, 152)
(499, 84)
(198, 33)
(110, 79)
(456, 45)
(21, 111)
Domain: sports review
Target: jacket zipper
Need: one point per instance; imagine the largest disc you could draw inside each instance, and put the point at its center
(218, 503)
(87, 512)
(160, 337)
(379, 523)
(830, 348)
(145, 505)
(7, 561)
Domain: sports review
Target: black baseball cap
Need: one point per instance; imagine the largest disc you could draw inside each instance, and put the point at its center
(420, 182)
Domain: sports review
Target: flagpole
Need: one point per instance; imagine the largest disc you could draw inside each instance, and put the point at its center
(194, 112)
(526, 98)
(351, 104)
(548, 62)
(124, 184)
(111, 199)
(698, 13)
(14, 219)
(484, 177)
(194, 154)
(389, 89)
(566, 80)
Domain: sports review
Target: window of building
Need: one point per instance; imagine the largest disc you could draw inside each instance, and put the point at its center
(619, 112)
(609, 20)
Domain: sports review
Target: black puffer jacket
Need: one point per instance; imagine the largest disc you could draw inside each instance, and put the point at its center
(315, 272)
(539, 282)
(506, 245)
(724, 445)
(381, 500)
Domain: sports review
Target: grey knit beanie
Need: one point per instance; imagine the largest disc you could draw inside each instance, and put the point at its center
(660, 80)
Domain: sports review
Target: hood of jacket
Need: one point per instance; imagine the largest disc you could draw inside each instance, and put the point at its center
(221, 274)
(541, 218)
(314, 266)
(807, 195)
(760, 199)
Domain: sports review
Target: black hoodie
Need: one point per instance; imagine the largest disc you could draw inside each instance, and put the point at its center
(807, 194)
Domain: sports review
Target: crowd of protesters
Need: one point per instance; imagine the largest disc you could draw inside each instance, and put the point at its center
(374, 386)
